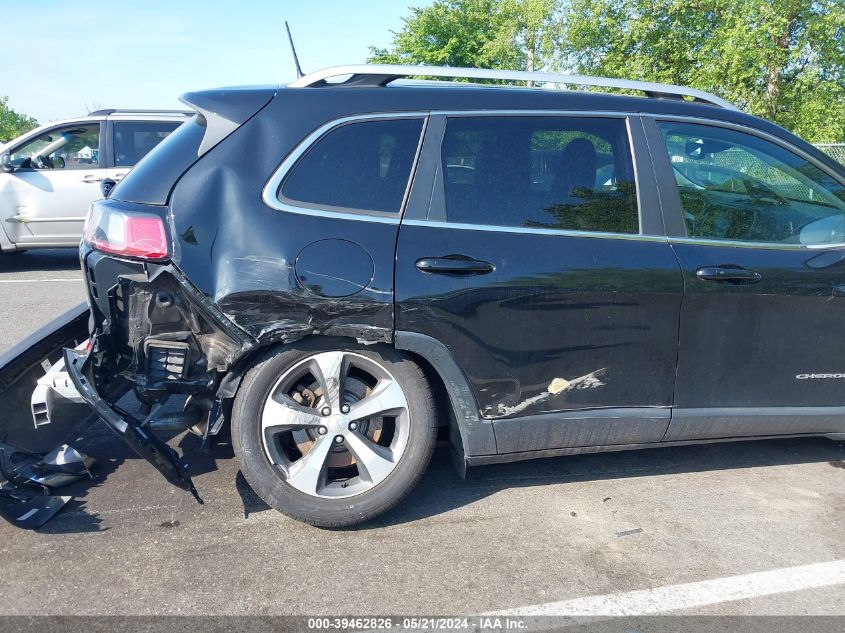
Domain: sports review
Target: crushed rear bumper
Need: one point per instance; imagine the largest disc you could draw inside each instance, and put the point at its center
(78, 364)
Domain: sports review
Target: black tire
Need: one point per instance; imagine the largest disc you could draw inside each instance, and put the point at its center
(267, 480)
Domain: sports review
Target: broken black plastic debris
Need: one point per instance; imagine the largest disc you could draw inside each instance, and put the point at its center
(193, 491)
(27, 480)
(147, 445)
(29, 509)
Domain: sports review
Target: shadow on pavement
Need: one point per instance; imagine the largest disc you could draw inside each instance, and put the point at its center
(441, 490)
(75, 518)
(40, 260)
(252, 502)
(111, 452)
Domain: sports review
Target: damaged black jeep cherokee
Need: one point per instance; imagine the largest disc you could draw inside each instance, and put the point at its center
(341, 266)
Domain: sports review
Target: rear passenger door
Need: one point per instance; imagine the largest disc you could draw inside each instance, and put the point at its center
(531, 250)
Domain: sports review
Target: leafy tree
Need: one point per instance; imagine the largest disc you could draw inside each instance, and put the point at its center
(13, 124)
(780, 59)
(509, 34)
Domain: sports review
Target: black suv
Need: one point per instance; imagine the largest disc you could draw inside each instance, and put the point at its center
(341, 269)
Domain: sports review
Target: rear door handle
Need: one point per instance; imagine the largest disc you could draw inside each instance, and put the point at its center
(728, 274)
(454, 265)
(91, 178)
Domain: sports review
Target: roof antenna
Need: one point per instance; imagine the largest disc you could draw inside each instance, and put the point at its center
(299, 72)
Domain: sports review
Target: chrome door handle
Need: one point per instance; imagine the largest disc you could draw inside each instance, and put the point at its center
(89, 178)
(728, 274)
(454, 265)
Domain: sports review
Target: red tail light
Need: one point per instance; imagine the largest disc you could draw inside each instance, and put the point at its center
(125, 233)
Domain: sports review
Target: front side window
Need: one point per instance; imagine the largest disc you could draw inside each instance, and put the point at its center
(72, 147)
(737, 186)
(134, 139)
(359, 166)
(564, 173)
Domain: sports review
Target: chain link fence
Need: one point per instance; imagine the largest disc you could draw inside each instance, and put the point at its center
(836, 150)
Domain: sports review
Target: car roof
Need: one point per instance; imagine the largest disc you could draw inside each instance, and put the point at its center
(451, 97)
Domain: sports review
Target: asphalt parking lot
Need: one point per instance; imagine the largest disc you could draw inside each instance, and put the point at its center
(762, 522)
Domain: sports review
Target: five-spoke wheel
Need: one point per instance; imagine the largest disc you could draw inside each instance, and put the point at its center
(336, 423)
(333, 437)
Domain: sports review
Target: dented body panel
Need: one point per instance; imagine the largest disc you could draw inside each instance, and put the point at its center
(555, 309)
(249, 259)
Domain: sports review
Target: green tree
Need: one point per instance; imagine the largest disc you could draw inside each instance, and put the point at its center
(509, 34)
(13, 124)
(780, 59)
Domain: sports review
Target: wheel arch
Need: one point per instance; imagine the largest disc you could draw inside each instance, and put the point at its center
(474, 432)
(471, 434)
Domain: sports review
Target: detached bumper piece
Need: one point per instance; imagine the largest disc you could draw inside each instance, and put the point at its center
(28, 509)
(40, 415)
(25, 498)
(145, 444)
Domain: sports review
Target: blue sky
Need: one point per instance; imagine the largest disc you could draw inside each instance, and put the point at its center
(60, 56)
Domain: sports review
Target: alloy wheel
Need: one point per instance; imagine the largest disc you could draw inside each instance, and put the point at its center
(335, 424)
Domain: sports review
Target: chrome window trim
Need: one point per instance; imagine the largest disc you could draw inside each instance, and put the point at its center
(739, 127)
(271, 199)
(614, 114)
(489, 228)
(269, 193)
(774, 246)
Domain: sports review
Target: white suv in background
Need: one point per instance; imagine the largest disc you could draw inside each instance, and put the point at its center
(50, 175)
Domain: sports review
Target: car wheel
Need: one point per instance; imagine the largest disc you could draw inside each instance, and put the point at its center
(333, 437)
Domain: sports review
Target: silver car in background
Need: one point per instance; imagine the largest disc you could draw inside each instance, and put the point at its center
(50, 175)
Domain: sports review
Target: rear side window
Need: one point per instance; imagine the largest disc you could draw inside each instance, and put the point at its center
(151, 180)
(360, 166)
(740, 187)
(565, 173)
(134, 139)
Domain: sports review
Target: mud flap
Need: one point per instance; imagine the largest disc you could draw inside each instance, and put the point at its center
(144, 443)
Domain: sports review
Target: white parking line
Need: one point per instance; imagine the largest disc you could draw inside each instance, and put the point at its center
(32, 281)
(694, 594)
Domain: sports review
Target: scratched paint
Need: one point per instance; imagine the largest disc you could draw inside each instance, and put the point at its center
(557, 387)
